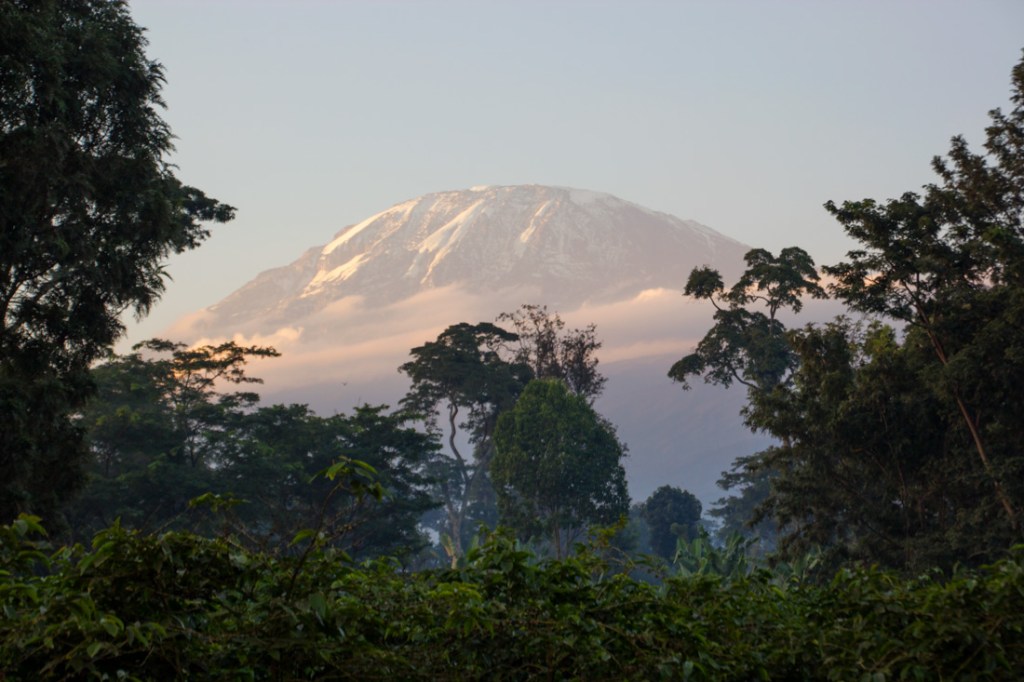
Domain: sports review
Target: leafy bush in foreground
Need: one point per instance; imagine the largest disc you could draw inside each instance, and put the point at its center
(178, 606)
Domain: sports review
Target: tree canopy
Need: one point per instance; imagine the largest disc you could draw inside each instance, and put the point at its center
(557, 466)
(901, 445)
(89, 210)
(747, 345)
(672, 515)
(163, 432)
(552, 353)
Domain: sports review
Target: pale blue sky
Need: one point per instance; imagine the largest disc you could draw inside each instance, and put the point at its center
(743, 115)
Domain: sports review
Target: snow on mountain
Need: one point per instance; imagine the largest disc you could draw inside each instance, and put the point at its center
(571, 246)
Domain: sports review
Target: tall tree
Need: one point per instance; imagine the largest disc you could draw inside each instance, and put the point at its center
(463, 376)
(89, 210)
(748, 345)
(552, 353)
(950, 265)
(558, 465)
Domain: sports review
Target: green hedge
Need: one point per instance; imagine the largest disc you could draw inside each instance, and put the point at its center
(178, 606)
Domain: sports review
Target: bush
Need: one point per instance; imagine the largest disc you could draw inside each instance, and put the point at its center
(173, 606)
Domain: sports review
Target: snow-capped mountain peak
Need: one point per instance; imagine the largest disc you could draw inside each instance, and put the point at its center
(569, 245)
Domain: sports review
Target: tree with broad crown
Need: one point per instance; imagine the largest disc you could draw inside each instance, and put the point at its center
(749, 347)
(950, 265)
(89, 210)
(558, 465)
(460, 373)
(672, 515)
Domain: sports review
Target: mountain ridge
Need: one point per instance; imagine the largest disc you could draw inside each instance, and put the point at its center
(572, 245)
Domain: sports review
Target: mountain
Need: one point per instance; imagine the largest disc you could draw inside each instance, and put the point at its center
(570, 246)
(345, 314)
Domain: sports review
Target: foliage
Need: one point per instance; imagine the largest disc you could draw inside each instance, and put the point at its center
(950, 264)
(748, 346)
(551, 354)
(700, 556)
(558, 465)
(671, 515)
(176, 606)
(463, 372)
(89, 211)
(744, 512)
(162, 434)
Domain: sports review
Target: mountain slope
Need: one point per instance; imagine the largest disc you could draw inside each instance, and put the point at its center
(569, 246)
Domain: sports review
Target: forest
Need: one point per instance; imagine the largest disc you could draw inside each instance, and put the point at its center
(160, 522)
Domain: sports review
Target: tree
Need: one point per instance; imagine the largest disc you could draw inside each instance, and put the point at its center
(89, 210)
(672, 515)
(275, 465)
(163, 432)
(750, 347)
(744, 514)
(551, 354)
(159, 431)
(463, 373)
(864, 468)
(950, 265)
(557, 466)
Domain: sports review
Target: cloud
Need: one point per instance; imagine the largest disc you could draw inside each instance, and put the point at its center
(350, 341)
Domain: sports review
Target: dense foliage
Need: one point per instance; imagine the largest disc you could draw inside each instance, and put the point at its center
(557, 468)
(671, 515)
(89, 210)
(162, 431)
(471, 374)
(898, 436)
(224, 537)
(176, 606)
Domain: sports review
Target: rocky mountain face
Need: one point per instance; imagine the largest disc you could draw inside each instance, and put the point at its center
(344, 315)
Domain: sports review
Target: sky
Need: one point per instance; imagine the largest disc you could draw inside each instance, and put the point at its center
(744, 115)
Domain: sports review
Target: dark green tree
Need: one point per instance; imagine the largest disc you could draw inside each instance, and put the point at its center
(672, 515)
(558, 466)
(163, 432)
(274, 465)
(950, 265)
(864, 468)
(463, 376)
(748, 345)
(744, 513)
(159, 431)
(89, 210)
